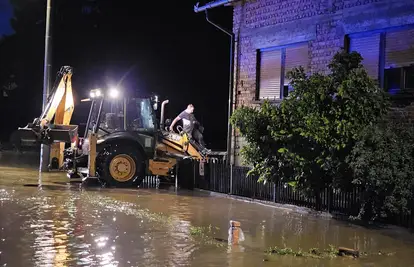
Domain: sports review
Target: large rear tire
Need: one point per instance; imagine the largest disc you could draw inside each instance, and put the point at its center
(121, 165)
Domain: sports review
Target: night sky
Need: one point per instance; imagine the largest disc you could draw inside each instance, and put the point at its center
(5, 15)
(158, 47)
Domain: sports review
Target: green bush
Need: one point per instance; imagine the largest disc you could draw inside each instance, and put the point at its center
(305, 140)
(383, 164)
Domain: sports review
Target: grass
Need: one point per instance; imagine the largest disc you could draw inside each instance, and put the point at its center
(206, 235)
(330, 253)
(201, 231)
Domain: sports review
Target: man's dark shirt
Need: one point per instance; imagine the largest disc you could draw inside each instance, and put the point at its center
(188, 121)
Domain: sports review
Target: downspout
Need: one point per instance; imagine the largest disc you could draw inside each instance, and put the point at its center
(231, 78)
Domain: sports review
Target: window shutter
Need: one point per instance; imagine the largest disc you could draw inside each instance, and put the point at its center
(297, 56)
(270, 70)
(369, 48)
(399, 48)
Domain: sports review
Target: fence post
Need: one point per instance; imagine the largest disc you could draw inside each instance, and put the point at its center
(194, 174)
(274, 192)
(212, 184)
(254, 188)
(213, 178)
(231, 179)
(330, 193)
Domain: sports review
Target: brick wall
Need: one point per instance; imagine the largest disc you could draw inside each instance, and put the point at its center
(323, 24)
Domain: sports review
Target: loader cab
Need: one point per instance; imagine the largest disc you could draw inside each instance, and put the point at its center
(123, 114)
(140, 116)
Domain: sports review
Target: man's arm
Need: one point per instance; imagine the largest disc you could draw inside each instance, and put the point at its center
(174, 122)
(195, 121)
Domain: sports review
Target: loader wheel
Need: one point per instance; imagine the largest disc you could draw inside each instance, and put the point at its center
(121, 165)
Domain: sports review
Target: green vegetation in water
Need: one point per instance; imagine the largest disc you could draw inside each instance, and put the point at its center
(330, 253)
(203, 231)
(206, 235)
(196, 231)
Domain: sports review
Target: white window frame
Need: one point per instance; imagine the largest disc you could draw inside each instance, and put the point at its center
(282, 73)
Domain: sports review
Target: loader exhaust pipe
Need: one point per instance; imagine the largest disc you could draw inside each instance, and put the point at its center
(162, 113)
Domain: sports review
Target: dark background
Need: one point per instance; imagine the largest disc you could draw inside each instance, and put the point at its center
(160, 47)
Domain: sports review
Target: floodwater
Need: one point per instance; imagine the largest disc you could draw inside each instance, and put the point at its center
(45, 221)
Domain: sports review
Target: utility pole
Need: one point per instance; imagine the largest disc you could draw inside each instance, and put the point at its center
(45, 149)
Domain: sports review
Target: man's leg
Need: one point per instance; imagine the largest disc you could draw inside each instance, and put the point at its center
(199, 137)
(200, 140)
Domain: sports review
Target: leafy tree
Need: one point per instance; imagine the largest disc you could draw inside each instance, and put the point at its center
(305, 140)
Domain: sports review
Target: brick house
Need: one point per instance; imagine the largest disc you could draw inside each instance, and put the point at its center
(273, 36)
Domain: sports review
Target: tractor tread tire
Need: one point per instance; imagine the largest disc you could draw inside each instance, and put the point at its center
(111, 150)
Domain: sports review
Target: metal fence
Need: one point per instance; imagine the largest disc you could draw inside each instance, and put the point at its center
(234, 180)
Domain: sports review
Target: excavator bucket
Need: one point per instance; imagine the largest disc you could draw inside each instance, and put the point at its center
(53, 134)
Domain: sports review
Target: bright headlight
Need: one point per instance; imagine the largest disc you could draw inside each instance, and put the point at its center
(113, 93)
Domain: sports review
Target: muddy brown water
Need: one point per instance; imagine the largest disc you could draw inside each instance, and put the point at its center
(54, 223)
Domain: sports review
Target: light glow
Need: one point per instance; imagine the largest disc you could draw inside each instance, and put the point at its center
(113, 93)
(95, 93)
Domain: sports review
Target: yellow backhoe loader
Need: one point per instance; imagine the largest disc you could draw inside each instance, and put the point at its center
(123, 141)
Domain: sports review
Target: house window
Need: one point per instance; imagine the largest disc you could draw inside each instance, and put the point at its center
(387, 56)
(392, 79)
(399, 48)
(369, 48)
(274, 64)
(399, 60)
(295, 56)
(399, 78)
(409, 78)
(270, 71)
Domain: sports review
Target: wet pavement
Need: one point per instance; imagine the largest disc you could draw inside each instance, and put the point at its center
(45, 221)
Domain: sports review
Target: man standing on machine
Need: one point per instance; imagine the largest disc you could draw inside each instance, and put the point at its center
(190, 125)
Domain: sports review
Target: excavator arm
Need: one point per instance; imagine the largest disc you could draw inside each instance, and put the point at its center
(61, 104)
(53, 127)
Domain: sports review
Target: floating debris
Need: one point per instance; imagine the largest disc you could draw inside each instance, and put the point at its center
(342, 251)
(331, 252)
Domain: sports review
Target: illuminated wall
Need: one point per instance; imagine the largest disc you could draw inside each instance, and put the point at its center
(273, 36)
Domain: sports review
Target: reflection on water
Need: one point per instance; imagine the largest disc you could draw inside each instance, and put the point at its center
(59, 224)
